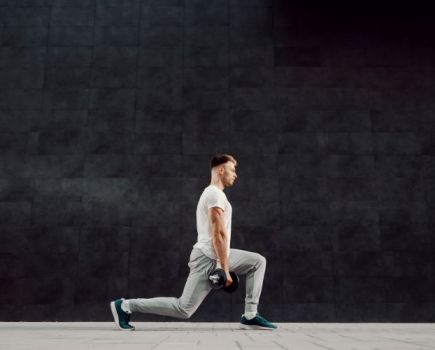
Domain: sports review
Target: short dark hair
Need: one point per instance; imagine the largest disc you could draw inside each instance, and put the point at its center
(219, 159)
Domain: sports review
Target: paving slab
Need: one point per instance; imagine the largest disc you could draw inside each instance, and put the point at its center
(210, 336)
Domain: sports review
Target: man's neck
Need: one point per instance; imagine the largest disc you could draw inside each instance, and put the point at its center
(218, 185)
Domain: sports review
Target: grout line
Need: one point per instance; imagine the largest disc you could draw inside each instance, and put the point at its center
(280, 345)
(238, 345)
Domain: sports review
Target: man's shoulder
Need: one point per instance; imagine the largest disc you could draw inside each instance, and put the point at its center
(213, 192)
(214, 189)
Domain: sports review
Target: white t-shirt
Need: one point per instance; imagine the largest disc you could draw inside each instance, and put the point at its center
(212, 196)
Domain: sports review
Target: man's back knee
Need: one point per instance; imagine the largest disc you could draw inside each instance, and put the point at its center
(186, 313)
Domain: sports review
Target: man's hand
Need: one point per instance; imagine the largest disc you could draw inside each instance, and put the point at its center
(229, 279)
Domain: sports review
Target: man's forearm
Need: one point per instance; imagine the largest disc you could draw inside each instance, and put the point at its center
(220, 247)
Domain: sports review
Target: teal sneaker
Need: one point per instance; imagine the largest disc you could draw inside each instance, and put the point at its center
(257, 322)
(121, 317)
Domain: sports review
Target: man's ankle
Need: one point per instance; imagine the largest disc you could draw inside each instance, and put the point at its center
(125, 306)
(250, 315)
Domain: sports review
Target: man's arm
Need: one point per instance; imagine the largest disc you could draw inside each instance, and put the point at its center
(219, 238)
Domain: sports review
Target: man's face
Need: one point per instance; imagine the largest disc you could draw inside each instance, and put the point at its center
(229, 174)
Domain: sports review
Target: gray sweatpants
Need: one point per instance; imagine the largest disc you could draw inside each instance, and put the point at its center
(197, 286)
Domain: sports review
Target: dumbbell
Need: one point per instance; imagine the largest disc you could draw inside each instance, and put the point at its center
(218, 280)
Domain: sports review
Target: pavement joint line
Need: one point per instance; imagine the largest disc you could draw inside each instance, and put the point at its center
(238, 345)
(280, 345)
(156, 345)
(321, 346)
(249, 337)
(407, 342)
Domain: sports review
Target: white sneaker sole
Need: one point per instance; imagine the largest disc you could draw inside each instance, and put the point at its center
(116, 318)
(245, 326)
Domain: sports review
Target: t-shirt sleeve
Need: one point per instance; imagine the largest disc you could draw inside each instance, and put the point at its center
(215, 199)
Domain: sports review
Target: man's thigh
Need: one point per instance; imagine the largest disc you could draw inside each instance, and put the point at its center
(242, 261)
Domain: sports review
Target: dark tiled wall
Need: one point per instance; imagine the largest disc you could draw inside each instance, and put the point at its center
(110, 111)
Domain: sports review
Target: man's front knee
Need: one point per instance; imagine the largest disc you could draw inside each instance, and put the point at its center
(261, 260)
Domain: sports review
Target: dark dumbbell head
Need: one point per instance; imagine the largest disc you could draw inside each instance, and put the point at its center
(217, 279)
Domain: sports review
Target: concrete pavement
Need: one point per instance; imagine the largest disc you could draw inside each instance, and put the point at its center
(227, 336)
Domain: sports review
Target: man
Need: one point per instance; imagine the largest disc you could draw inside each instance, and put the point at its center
(212, 249)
